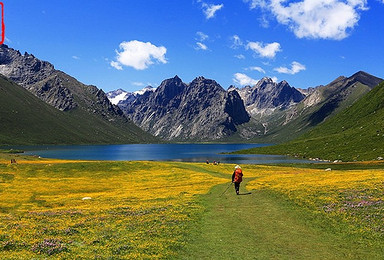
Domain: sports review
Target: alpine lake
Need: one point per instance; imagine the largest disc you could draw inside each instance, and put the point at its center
(159, 152)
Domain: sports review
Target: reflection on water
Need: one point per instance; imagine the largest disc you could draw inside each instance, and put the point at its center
(159, 152)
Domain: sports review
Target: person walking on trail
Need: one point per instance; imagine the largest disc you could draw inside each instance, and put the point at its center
(237, 178)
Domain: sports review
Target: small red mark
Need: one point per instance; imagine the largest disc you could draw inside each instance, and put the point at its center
(2, 23)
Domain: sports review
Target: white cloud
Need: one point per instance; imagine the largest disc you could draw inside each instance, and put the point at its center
(75, 57)
(264, 22)
(316, 19)
(296, 67)
(138, 55)
(240, 57)
(259, 69)
(265, 50)
(211, 9)
(201, 46)
(266, 63)
(236, 42)
(255, 3)
(244, 80)
(138, 84)
(201, 37)
(116, 65)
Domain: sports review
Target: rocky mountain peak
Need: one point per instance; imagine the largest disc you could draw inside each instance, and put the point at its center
(176, 77)
(23, 69)
(168, 90)
(284, 83)
(265, 84)
(200, 110)
(361, 73)
(232, 88)
(144, 90)
(172, 81)
(266, 80)
(338, 79)
(176, 81)
(267, 96)
(200, 78)
(366, 79)
(117, 96)
(202, 81)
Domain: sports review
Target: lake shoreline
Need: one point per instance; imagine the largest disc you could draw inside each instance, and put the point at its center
(218, 152)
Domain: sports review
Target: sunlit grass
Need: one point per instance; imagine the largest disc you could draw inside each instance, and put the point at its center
(141, 210)
(97, 209)
(354, 197)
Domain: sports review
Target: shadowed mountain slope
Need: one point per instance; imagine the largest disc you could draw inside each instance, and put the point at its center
(93, 117)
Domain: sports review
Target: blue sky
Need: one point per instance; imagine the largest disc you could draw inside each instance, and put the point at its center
(133, 43)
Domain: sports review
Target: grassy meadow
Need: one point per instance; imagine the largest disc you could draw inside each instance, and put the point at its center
(354, 134)
(169, 210)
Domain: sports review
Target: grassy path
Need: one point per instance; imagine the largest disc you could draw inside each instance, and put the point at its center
(169, 210)
(262, 225)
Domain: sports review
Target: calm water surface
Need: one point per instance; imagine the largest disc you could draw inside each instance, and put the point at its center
(159, 152)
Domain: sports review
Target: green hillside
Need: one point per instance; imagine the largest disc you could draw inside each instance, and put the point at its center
(356, 133)
(310, 117)
(334, 98)
(321, 105)
(26, 120)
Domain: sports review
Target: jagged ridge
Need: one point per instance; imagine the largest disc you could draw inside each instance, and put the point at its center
(199, 111)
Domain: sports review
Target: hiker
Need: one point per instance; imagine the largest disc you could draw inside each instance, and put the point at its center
(237, 178)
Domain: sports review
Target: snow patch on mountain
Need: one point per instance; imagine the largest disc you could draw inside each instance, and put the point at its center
(120, 95)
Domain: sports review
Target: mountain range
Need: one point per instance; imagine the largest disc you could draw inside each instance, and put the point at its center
(355, 133)
(266, 112)
(202, 110)
(267, 96)
(199, 111)
(322, 103)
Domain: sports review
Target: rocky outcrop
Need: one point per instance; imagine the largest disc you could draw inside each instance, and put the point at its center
(55, 87)
(267, 96)
(24, 69)
(52, 91)
(199, 111)
(39, 77)
(365, 79)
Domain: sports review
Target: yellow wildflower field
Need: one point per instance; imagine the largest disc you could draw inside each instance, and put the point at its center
(139, 210)
(98, 209)
(355, 197)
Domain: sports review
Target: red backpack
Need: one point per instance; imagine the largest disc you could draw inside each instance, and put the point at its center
(238, 175)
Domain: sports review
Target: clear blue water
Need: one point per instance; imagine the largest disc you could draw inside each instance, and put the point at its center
(159, 152)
